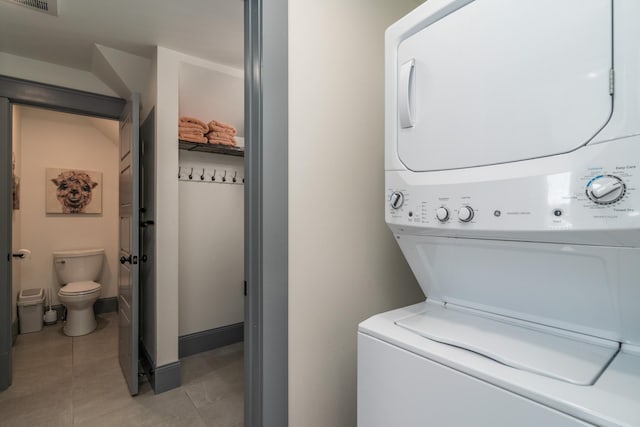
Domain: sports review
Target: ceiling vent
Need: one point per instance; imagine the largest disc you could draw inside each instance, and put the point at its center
(49, 7)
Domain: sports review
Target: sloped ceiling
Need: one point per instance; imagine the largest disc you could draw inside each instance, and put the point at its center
(208, 29)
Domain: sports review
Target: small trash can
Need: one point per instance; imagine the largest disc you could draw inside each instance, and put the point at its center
(31, 310)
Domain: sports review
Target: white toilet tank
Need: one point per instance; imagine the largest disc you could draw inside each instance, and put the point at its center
(78, 265)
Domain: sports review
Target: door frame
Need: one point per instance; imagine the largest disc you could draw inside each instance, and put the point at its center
(35, 94)
(6, 213)
(266, 213)
(266, 201)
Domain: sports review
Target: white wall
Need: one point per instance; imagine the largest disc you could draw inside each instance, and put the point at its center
(60, 140)
(209, 94)
(167, 72)
(211, 243)
(211, 231)
(344, 265)
(166, 207)
(45, 72)
(16, 215)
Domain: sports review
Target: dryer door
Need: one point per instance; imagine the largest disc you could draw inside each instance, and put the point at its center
(499, 81)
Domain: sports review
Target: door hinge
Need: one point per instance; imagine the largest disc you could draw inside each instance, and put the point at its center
(612, 81)
(245, 288)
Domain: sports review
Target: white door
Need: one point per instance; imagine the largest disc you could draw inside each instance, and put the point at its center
(129, 207)
(500, 80)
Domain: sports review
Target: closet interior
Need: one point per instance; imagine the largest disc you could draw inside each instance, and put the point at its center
(211, 204)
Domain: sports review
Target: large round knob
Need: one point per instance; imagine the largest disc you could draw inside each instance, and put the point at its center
(606, 189)
(442, 214)
(396, 199)
(465, 213)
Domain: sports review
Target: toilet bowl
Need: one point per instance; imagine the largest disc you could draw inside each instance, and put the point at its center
(78, 298)
(77, 272)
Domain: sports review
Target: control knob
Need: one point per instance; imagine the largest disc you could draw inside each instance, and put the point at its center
(606, 189)
(396, 199)
(442, 214)
(465, 213)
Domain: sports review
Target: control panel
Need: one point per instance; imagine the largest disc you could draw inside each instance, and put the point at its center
(598, 197)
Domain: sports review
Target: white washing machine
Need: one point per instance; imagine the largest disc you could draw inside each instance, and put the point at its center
(513, 189)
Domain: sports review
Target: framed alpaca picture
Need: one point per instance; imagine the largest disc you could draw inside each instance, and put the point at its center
(73, 191)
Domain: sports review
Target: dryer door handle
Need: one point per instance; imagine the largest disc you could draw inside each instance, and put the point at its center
(406, 94)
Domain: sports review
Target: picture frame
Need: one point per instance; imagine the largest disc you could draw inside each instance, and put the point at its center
(73, 191)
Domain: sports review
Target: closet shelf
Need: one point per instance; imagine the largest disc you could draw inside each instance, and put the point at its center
(211, 148)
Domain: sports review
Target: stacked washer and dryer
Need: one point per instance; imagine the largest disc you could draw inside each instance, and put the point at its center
(512, 187)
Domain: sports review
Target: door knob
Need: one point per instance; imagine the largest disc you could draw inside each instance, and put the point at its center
(125, 260)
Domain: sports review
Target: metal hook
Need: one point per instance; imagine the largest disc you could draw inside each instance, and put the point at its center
(224, 177)
(191, 174)
(202, 176)
(235, 173)
(213, 177)
(179, 172)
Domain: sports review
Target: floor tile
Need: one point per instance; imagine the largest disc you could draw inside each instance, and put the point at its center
(192, 368)
(77, 381)
(206, 392)
(42, 406)
(227, 412)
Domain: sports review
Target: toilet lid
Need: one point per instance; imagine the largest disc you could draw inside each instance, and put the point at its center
(80, 288)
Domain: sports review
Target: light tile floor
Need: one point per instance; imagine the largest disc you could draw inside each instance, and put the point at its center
(64, 381)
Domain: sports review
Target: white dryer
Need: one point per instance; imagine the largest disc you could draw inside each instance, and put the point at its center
(512, 187)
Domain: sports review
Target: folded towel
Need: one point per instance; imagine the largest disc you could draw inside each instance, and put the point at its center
(193, 120)
(193, 138)
(220, 124)
(213, 134)
(191, 131)
(222, 141)
(217, 126)
(218, 129)
(194, 126)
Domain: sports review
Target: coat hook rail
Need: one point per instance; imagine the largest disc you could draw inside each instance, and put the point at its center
(217, 176)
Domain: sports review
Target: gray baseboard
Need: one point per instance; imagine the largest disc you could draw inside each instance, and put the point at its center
(162, 378)
(106, 305)
(166, 377)
(210, 339)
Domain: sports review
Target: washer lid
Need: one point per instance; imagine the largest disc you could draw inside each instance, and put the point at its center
(79, 288)
(500, 81)
(554, 353)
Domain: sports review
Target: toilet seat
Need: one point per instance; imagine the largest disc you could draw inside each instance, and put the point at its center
(80, 288)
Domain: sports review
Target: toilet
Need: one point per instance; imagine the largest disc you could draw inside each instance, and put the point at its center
(77, 272)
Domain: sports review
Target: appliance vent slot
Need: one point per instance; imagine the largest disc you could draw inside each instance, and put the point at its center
(49, 7)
